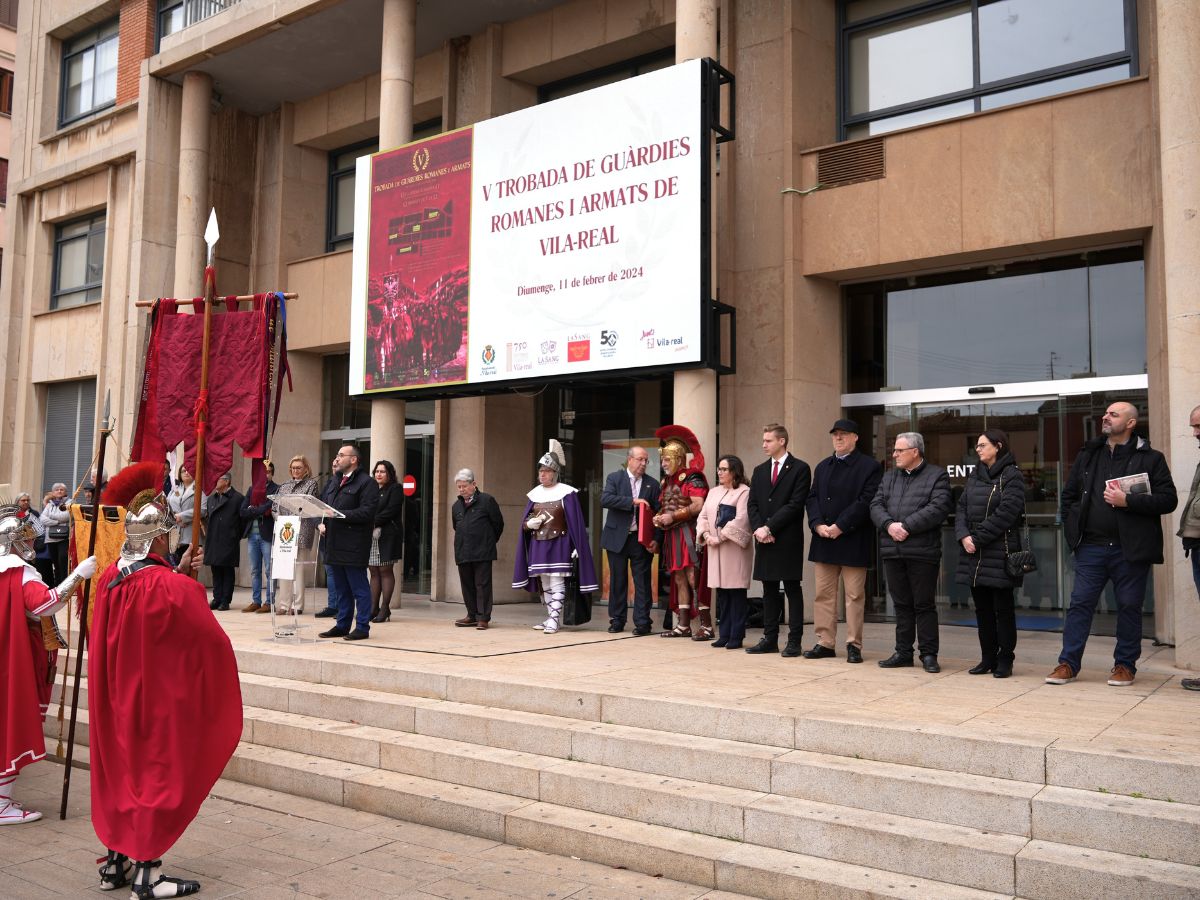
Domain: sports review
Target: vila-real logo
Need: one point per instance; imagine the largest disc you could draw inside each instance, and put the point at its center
(489, 355)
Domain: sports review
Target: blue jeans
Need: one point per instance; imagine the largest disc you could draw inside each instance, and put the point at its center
(331, 585)
(1194, 553)
(260, 567)
(354, 597)
(1095, 566)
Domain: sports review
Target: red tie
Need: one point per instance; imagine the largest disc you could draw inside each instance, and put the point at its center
(775, 472)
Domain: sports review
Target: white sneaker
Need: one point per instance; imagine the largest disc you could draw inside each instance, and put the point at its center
(11, 813)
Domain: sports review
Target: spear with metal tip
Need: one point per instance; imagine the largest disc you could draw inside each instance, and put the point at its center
(212, 234)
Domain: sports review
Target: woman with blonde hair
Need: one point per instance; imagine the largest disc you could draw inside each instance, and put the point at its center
(289, 593)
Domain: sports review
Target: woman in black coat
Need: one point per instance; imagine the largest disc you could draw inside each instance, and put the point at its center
(222, 539)
(387, 541)
(989, 510)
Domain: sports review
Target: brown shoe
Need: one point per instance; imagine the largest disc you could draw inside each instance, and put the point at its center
(251, 607)
(465, 622)
(481, 626)
(1061, 675)
(1120, 676)
(263, 609)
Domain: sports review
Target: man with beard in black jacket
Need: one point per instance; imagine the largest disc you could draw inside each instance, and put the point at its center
(1115, 532)
(353, 493)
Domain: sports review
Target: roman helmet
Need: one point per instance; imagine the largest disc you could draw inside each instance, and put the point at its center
(677, 443)
(554, 458)
(138, 487)
(16, 533)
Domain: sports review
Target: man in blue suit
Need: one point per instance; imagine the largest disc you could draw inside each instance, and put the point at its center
(624, 491)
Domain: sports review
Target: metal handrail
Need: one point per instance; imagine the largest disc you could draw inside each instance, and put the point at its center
(198, 10)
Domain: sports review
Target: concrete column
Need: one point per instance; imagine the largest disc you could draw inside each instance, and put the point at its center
(192, 203)
(395, 128)
(695, 400)
(1178, 34)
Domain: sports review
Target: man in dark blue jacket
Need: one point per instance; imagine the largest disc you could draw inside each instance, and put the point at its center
(839, 515)
(353, 493)
(1114, 528)
(624, 492)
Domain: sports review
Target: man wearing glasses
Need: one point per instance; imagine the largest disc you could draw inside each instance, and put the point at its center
(909, 508)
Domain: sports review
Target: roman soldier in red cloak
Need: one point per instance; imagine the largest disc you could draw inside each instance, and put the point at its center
(30, 643)
(164, 702)
(684, 488)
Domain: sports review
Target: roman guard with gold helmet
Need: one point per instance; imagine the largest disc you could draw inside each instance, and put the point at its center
(684, 487)
(552, 536)
(30, 643)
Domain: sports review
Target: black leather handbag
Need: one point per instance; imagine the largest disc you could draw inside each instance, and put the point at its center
(577, 607)
(1019, 563)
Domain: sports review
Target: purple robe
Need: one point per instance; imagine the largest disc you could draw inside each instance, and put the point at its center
(554, 557)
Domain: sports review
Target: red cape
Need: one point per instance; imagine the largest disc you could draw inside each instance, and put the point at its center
(164, 705)
(21, 738)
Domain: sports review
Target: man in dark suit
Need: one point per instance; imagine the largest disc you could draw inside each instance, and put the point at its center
(778, 491)
(348, 544)
(624, 492)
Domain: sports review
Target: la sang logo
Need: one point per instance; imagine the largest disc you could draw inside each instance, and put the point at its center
(420, 159)
(579, 351)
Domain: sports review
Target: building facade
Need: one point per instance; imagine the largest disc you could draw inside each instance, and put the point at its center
(936, 216)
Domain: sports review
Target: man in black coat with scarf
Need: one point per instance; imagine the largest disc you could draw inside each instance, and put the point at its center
(839, 515)
(353, 493)
(778, 491)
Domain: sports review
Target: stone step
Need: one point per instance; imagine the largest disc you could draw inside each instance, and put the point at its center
(954, 798)
(1158, 774)
(1154, 829)
(657, 850)
(947, 853)
(1048, 871)
(950, 748)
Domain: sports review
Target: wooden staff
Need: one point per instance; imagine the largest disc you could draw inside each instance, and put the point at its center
(211, 235)
(240, 298)
(105, 431)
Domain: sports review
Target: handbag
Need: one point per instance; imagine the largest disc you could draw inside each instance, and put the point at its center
(726, 513)
(58, 532)
(1019, 563)
(577, 607)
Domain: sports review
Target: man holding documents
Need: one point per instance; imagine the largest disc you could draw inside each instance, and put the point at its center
(626, 493)
(1115, 494)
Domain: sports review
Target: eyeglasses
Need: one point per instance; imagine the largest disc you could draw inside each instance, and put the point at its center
(723, 468)
(982, 446)
(902, 450)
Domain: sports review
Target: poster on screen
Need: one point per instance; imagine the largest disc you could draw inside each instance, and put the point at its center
(553, 242)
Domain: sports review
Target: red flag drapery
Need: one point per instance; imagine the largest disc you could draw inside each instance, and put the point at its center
(247, 364)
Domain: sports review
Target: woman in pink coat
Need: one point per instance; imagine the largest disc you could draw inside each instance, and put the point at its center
(723, 528)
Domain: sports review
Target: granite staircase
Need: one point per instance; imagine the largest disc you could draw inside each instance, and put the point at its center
(798, 806)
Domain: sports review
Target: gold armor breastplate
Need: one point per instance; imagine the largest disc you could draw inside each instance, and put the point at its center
(672, 499)
(556, 525)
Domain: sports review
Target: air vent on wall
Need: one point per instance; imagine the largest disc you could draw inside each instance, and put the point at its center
(848, 163)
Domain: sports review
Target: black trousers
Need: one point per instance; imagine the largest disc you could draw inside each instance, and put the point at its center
(773, 610)
(222, 579)
(58, 557)
(631, 556)
(476, 580)
(732, 608)
(913, 586)
(996, 613)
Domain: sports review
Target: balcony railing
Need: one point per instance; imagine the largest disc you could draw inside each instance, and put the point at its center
(188, 12)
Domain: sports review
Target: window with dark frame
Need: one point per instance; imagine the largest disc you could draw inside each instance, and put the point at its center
(339, 228)
(904, 63)
(6, 92)
(89, 73)
(170, 19)
(8, 13)
(3, 182)
(78, 276)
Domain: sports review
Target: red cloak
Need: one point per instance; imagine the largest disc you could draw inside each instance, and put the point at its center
(25, 687)
(164, 704)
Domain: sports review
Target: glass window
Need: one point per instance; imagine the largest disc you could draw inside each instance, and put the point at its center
(89, 73)
(170, 17)
(340, 411)
(919, 57)
(1045, 320)
(78, 276)
(1017, 37)
(6, 92)
(906, 64)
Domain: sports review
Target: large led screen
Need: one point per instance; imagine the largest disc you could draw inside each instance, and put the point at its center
(553, 242)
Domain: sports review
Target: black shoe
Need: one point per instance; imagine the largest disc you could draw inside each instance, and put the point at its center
(357, 635)
(791, 651)
(819, 651)
(326, 613)
(930, 664)
(215, 604)
(224, 607)
(737, 645)
(853, 654)
(641, 630)
(334, 632)
(1003, 670)
(896, 661)
(720, 642)
(382, 616)
(982, 668)
(615, 629)
(764, 646)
